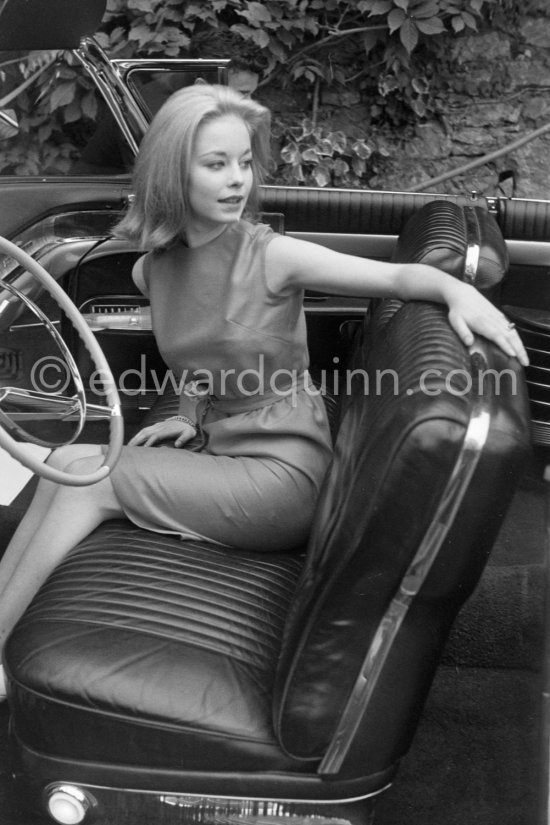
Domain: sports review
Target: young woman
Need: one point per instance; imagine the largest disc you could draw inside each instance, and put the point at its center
(226, 299)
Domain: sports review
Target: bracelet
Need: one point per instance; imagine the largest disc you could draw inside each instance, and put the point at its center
(183, 419)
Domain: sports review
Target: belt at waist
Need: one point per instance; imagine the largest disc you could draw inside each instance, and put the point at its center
(233, 406)
(247, 403)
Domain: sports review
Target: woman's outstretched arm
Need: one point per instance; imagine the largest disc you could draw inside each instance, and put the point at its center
(292, 263)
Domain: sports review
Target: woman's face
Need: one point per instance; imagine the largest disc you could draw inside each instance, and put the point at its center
(220, 175)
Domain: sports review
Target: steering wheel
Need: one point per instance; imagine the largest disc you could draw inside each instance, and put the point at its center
(65, 405)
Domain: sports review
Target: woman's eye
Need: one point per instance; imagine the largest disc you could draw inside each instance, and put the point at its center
(246, 164)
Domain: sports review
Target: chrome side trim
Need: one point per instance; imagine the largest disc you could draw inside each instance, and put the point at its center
(124, 108)
(173, 797)
(367, 246)
(529, 253)
(125, 68)
(427, 196)
(164, 64)
(414, 578)
(473, 249)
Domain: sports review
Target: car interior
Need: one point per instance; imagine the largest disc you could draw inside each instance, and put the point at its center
(153, 672)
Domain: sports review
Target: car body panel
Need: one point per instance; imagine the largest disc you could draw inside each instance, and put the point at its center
(26, 201)
(48, 24)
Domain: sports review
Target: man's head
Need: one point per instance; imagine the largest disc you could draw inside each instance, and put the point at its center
(247, 61)
(244, 81)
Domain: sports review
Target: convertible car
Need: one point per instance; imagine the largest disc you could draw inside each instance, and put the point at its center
(394, 670)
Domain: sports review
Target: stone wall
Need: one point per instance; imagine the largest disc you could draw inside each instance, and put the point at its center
(476, 124)
(499, 94)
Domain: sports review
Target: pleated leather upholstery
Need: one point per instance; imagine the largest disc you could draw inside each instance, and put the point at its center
(362, 546)
(347, 210)
(386, 213)
(439, 235)
(394, 455)
(523, 219)
(138, 642)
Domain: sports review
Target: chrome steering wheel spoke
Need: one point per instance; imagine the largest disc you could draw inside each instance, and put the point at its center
(19, 405)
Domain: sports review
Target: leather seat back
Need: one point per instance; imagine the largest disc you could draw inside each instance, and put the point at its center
(464, 241)
(394, 456)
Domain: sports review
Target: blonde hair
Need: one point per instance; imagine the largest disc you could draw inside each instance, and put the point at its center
(157, 216)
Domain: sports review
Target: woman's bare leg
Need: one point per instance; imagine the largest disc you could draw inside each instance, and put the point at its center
(40, 504)
(60, 520)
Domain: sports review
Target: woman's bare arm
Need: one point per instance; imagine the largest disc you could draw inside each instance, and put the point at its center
(292, 263)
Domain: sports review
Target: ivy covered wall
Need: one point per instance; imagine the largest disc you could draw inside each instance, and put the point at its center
(498, 96)
(382, 94)
(492, 94)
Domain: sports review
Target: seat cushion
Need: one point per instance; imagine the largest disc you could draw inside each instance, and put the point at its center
(137, 638)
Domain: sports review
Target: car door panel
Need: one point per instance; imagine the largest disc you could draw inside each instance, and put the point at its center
(25, 201)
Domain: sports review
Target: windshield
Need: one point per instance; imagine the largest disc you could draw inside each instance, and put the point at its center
(151, 86)
(49, 114)
(53, 120)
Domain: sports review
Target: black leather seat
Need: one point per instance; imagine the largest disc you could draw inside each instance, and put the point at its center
(217, 683)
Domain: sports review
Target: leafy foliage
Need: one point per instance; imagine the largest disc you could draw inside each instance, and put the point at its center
(53, 102)
(387, 50)
(380, 35)
(316, 156)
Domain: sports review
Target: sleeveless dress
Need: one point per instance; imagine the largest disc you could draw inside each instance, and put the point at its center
(265, 442)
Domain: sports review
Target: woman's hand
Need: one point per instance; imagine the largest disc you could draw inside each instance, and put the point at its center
(177, 429)
(470, 312)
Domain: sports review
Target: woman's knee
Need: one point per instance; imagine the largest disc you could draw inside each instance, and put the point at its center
(83, 465)
(100, 494)
(62, 457)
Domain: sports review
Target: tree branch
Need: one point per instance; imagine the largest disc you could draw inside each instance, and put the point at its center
(333, 36)
(22, 86)
(345, 32)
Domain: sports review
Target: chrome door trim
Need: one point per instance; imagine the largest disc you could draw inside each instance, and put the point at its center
(474, 441)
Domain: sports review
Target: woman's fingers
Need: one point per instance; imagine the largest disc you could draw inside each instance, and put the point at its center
(506, 336)
(510, 342)
(461, 328)
(149, 436)
(144, 437)
(496, 327)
